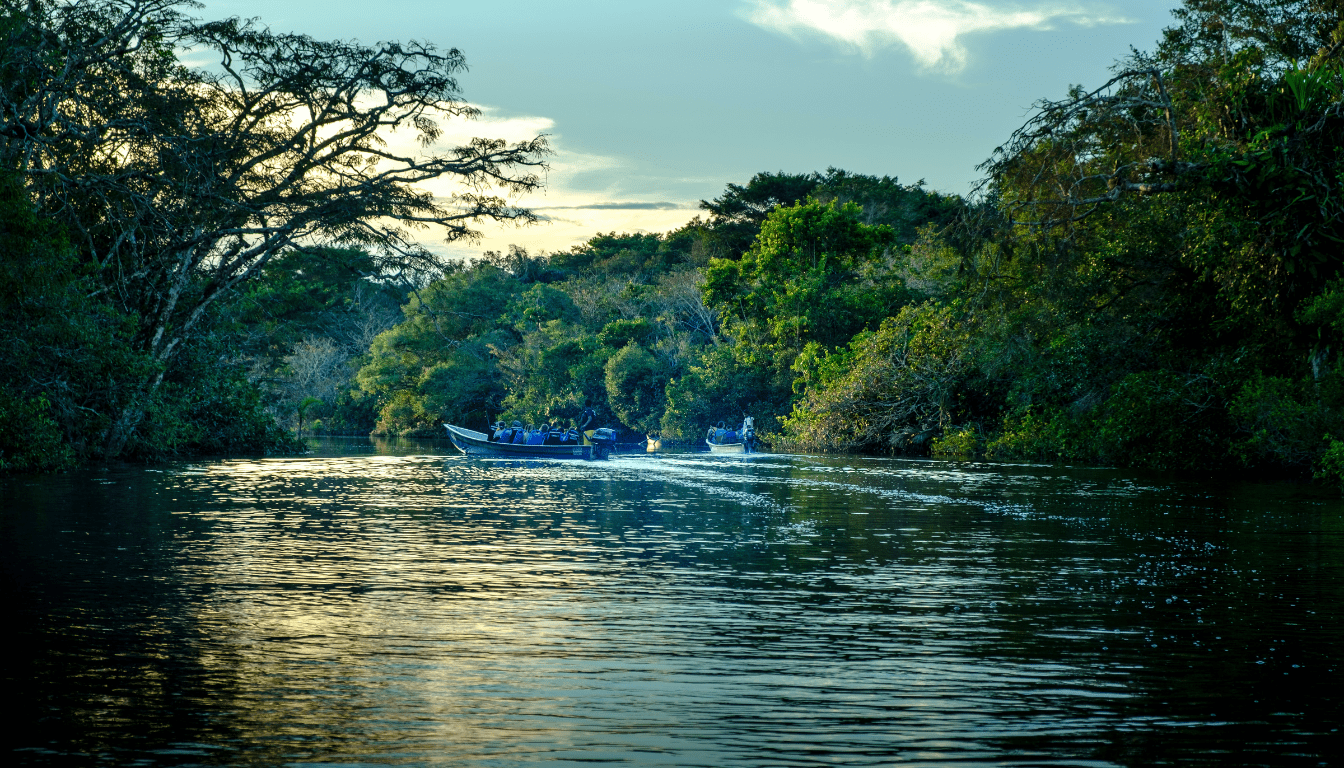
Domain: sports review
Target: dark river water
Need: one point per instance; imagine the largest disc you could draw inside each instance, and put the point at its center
(399, 604)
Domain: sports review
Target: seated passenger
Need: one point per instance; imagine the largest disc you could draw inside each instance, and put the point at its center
(536, 437)
(730, 436)
(519, 436)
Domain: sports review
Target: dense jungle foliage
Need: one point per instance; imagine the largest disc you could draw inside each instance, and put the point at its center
(192, 255)
(1150, 276)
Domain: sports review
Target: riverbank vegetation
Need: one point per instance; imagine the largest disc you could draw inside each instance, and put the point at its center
(1149, 275)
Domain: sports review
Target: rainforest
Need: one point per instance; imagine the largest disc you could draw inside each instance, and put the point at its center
(216, 260)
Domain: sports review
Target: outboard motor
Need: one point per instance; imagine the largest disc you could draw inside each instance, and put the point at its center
(604, 441)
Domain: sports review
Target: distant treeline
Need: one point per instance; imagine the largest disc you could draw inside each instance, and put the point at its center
(1149, 276)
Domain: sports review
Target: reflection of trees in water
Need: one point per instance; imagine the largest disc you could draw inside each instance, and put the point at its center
(321, 608)
(107, 650)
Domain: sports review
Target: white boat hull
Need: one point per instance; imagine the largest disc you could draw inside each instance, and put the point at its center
(727, 447)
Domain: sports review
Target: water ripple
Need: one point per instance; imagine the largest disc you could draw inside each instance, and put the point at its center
(421, 608)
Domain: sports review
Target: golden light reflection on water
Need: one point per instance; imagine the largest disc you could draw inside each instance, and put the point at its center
(686, 610)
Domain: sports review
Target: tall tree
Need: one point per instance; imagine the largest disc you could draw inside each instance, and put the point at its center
(178, 183)
(1236, 119)
(736, 215)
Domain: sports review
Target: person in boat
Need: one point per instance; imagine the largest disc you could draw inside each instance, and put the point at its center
(559, 435)
(720, 434)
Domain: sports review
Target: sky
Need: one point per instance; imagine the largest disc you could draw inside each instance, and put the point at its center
(652, 106)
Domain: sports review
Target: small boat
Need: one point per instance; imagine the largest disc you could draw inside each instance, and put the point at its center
(740, 440)
(513, 441)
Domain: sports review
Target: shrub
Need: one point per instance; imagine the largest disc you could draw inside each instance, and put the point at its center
(898, 389)
(1330, 466)
(1165, 420)
(1048, 434)
(636, 387)
(30, 439)
(1282, 422)
(958, 443)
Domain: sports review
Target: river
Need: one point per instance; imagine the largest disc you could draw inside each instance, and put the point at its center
(398, 604)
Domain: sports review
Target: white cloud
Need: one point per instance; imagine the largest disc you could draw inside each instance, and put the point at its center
(572, 211)
(930, 29)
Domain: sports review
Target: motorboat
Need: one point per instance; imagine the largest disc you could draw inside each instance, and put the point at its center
(721, 439)
(544, 442)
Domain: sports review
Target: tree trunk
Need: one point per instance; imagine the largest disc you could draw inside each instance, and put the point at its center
(121, 430)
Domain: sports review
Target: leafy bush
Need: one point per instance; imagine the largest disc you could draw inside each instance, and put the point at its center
(718, 387)
(1330, 467)
(1281, 422)
(636, 387)
(30, 438)
(958, 443)
(898, 390)
(403, 414)
(1165, 420)
(1043, 434)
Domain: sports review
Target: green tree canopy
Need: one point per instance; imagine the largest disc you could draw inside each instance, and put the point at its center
(177, 183)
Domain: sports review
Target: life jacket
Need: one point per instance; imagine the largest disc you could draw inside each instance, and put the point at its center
(536, 438)
(730, 436)
(519, 437)
(719, 435)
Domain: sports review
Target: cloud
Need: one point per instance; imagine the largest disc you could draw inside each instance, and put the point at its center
(930, 29)
(490, 125)
(587, 194)
(630, 206)
(584, 193)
